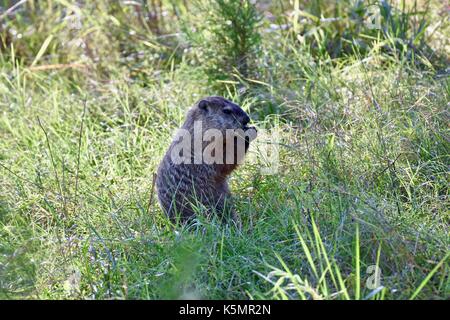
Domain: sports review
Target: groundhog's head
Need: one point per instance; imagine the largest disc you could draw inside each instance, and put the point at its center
(213, 123)
(220, 113)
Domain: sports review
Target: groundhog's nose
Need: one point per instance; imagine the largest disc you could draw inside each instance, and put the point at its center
(245, 120)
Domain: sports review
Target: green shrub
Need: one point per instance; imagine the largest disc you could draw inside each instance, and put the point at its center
(225, 37)
(334, 29)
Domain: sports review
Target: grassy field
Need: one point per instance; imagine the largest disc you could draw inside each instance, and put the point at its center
(91, 93)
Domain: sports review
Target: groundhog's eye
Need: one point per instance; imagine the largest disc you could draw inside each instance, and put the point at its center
(227, 111)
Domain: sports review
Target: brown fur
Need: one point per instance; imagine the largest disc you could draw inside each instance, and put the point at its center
(184, 189)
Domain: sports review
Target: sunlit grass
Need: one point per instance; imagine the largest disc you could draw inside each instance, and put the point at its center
(362, 181)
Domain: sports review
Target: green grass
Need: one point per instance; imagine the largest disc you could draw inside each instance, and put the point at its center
(362, 180)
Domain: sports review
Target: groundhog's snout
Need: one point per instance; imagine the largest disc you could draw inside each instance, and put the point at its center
(245, 120)
(248, 129)
(245, 123)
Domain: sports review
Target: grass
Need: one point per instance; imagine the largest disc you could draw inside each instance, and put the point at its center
(362, 182)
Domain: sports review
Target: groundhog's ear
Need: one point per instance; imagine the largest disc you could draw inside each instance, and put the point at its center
(203, 104)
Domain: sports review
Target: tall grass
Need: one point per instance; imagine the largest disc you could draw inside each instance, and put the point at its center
(91, 93)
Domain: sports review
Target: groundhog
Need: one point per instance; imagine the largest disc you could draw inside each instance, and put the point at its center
(193, 175)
